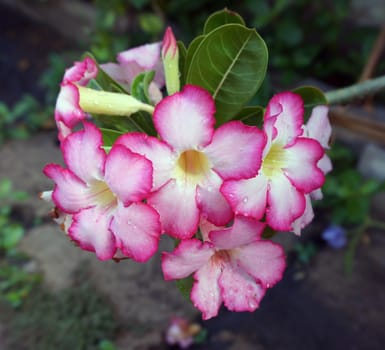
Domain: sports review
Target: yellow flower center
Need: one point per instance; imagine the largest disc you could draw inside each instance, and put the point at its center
(274, 161)
(192, 166)
(102, 194)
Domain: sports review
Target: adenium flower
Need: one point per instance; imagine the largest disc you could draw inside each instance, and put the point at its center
(288, 172)
(191, 159)
(135, 61)
(99, 197)
(232, 265)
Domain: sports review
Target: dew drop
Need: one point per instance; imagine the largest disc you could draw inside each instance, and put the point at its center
(252, 304)
(245, 199)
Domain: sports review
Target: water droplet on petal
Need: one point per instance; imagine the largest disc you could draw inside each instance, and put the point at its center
(245, 199)
(252, 304)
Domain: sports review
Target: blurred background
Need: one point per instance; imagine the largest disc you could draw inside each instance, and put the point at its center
(55, 296)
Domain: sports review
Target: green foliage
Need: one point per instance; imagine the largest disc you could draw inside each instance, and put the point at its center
(348, 197)
(24, 118)
(76, 319)
(305, 252)
(346, 191)
(16, 284)
(10, 231)
(185, 285)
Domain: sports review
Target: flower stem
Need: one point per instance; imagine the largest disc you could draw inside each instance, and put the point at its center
(357, 90)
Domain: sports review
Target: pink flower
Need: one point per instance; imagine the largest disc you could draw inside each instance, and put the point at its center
(135, 61)
(318, 128)
(233, 265)
(289, 168)
(68, 111)
(99, 197)
(191, 159)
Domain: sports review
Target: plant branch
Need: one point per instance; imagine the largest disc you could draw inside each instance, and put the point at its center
(367, 87)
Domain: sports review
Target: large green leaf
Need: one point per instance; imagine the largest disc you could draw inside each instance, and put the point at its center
(251, 115)
(220, 18)
(230, 62)
(192, 48)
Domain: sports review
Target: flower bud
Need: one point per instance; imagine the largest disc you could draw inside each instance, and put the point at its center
(170, 57)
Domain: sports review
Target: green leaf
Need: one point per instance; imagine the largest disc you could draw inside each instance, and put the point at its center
(11, 236)
(312, 97)
(139, 86)
(221, 18)
(192, 48)
(251, 115)
(185, 285)
(182, 60)
(110, 136)
(230, 63)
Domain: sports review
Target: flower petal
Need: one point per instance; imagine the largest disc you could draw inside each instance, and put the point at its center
(128, 174)
(156, 151)
(205, 294)
(211, 201)
(186, 120)
(301, 159)
(146, 55)
(236, 150)
(90, 229)
(189, 256)
(67, 109)
(244, 231)
(285, 203)
(81, 72)
(70, 194)
(288, 109)
(264, 260)
(306, 217)
(143, 58)
(240, 291)
(318, 126)
(177, 208)
(83, 154)
(247, 197)
(137, 231)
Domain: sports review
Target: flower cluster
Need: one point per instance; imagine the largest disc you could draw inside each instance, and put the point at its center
(212, 186)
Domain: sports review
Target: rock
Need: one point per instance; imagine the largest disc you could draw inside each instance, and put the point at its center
(372, 162)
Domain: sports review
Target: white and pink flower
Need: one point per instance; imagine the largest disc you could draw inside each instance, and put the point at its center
(192, 159)
(289, 168)
(232, 265)
(102, 195)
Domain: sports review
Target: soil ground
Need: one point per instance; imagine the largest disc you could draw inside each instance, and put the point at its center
(317, 306)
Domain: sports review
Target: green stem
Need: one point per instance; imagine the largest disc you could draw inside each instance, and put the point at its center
(376, 224)
(357, 90)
